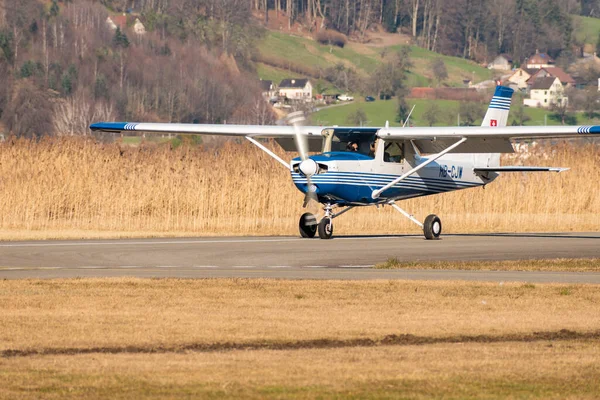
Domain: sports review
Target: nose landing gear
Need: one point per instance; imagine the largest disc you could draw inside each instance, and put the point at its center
(308, 225)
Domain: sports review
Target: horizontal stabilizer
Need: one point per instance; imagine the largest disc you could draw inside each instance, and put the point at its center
(520, 169)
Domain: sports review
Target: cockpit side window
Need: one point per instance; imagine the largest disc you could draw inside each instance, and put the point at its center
(394, 152)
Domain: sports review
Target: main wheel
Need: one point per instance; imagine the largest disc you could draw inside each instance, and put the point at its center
(432, 227)
(326, 228)
(307, 225)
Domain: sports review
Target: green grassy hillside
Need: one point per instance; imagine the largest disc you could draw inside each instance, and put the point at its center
(587, 29)
(307, 52)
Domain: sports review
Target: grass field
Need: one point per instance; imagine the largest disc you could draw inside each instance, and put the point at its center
(587, 29)
(165, 338)
(573, 265)
(74, 188)
(380, 111)
(303, 51)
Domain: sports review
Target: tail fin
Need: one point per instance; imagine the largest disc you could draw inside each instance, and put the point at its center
(497, 113)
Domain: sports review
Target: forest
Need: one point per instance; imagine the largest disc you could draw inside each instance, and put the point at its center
(62, 67)
(466, 28)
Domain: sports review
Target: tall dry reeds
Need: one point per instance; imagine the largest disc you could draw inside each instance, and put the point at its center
(76, 187)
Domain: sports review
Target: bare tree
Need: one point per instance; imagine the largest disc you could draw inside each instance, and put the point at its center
(73, 115)
(438, 67)
(29, 112)
(432, 113)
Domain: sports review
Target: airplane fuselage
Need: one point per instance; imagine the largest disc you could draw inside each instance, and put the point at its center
(350, 178)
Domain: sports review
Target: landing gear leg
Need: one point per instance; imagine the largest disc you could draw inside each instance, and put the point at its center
(432, 228)
(326, 224)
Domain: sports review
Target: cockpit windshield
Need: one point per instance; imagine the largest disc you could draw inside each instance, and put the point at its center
(354, 141)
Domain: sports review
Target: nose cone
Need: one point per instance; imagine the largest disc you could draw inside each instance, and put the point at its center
(308, 167)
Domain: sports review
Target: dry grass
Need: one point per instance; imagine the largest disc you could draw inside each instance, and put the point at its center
(77, 188)
(546, 370)
(566, 264)
(481, 339)
(85, 313)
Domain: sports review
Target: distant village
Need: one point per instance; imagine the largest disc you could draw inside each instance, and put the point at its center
(538, 78)
(541, 81)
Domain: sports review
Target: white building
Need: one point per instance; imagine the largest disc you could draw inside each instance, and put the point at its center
(544, 92)
(521, 76)
(502, 63)
(296, 89)
(138, 27)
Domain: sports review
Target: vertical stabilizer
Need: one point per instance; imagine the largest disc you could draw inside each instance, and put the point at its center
(497, 113)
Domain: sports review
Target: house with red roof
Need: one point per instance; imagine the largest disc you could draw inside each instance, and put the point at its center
(566, 79)
(539, 60)
(546, 91)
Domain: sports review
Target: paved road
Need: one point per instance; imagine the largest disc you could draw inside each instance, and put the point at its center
(294, 258)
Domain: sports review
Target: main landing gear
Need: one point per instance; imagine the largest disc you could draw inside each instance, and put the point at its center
(432, 227)
(309, 226)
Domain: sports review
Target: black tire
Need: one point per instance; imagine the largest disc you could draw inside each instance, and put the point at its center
(307, 225)
(326, 228)
(432, 227)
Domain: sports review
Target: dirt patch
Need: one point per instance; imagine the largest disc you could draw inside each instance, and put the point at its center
(389, 340)
(380, 38)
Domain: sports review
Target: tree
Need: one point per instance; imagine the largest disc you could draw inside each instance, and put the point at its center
(470, 112)
(389, 78)
(120, 39)
(69, 80)
(592, 99)
(403, 111)
(357, 118)
(6, 46)
(29, 111)
(438, 67)
(54, 9)
(431, 113)
(520, 117)
(560, 110)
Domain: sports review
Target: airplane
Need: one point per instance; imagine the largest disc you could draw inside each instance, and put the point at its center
(378, 166)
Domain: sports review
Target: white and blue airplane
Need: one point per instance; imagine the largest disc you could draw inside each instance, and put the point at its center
(373, 166)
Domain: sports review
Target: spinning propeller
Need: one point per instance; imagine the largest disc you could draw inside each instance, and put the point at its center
(308, 167)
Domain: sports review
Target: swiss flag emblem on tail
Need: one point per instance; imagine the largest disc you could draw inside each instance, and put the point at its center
(494, 122)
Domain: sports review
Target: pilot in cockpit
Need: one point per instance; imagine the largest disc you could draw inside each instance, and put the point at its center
(352, 146)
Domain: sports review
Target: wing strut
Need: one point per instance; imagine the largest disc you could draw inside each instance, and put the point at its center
(377, 193)
(269, 152)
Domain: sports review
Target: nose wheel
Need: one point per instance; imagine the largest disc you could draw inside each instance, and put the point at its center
(326, 228)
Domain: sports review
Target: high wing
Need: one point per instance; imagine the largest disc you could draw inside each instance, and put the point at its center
(482, 139)
(428, 140)
(283, 134)
(264, 131)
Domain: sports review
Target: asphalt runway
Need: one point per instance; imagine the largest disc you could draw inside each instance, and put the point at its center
(348, 257)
